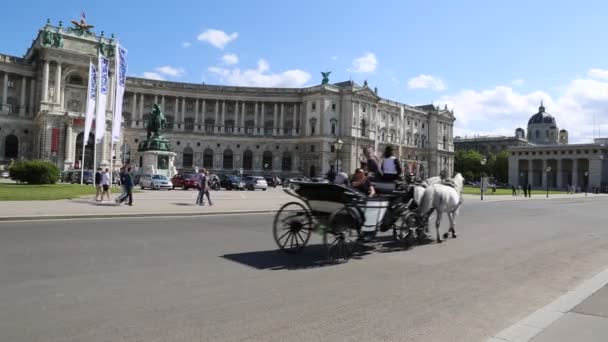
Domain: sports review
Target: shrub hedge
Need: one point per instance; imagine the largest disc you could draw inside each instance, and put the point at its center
(34, 172)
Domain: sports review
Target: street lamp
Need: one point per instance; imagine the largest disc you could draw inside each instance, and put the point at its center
(548, 170)
(586, 181)
(483, 162)
(338, 146)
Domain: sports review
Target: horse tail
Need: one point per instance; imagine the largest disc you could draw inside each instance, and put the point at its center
(426, 203)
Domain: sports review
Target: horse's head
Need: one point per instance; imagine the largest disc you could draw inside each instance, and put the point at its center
(459, 181)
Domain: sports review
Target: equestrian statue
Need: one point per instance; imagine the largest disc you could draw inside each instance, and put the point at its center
(156, 123)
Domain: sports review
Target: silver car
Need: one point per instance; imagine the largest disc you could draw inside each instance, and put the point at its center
(255, 182)
(155, 182)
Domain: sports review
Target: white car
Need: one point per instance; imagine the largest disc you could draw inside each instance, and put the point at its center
(4, 174)
(155, 182)
(255, 182)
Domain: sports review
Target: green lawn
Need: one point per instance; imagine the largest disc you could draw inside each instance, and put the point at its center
(475, 191)
(25, 192)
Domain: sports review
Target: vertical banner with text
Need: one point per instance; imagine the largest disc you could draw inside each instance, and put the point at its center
(121, 77)
(91, 100)
(100, 118)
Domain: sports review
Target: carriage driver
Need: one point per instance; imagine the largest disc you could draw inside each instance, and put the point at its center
(362, 183)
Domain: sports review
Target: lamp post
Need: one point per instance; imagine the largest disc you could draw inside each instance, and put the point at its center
(338, 146)
(483, 162)
(586, 181)
(548, 170)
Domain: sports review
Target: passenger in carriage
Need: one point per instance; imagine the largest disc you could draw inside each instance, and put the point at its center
(371, 164)
(390, 165)
(361, 182)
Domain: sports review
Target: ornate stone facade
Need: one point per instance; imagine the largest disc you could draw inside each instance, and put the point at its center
(282, 131)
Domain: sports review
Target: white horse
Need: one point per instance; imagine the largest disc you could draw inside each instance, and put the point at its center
(444, 199)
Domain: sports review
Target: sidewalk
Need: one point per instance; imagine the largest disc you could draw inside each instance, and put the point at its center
(148, 203)
(535, 196)
(581, 315)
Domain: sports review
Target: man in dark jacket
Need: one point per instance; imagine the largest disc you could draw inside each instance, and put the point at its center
(529, 190)
(127, 183)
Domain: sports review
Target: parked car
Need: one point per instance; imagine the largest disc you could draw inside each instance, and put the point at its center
(5, 174)
(87, 178)
(271, 181)
(185, 181)
(155, 182)
(231, 182)
(319, 180)
(290, 181)
(66, 176)
(255, 182)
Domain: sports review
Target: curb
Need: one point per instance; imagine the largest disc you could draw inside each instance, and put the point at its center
(529, 327)
(133, 215)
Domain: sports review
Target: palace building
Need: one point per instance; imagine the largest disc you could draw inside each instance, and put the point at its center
(278, 131)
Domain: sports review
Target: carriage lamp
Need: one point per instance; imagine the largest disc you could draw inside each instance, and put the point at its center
(338, 146)
(586, 181)
(548, 170)
(483, 162)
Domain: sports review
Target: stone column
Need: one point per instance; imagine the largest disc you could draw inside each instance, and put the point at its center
(135, 117)
(216, 119)
(4, 93)
(275, 121)
(237, 125)
(255, 117)
(196, 119)
(559, 174)
(22, 99)
(142, 98)
(32, 94)
(204, 111)
(57, 98)
(595, 173)
(282, 122)
(263, 123)
(68, 145)
(243, 114)
(293, 121)
(222, 125)
(183, 115)
(45, 82)
(162, 103)
(156, 101)
(176, 119)
(575, 172)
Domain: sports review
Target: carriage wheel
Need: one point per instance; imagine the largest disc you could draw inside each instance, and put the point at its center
(405, 228)
(343, 233)
(292, 227)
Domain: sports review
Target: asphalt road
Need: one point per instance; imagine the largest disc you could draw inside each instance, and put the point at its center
(220, 278)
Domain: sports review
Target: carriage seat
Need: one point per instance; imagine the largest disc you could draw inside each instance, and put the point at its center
(389, 188)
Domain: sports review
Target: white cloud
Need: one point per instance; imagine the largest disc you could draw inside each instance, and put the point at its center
(334, 58)
(261, 76)
(502, 109)
(170, 71)
(518, 82)
(598, 74)
(426, 82)
(186, 44)
(230, 59)
(153, 75)
(217, 38)
(365, 63)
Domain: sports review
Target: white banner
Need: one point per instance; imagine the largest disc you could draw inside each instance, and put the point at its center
(120, 70)
(100, 118)
(91, 99)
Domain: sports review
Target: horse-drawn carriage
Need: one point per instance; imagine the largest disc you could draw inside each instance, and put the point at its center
(344, 217)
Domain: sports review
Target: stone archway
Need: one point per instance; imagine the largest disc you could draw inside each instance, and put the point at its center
(88, 152)
(11, 147)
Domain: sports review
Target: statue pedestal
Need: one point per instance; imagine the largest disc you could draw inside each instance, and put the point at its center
(158, 163)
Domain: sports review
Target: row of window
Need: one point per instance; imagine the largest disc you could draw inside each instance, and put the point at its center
(228, 160)
(554, 152)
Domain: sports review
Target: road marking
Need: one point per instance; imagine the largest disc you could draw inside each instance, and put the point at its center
(535, 323)
(242, 196)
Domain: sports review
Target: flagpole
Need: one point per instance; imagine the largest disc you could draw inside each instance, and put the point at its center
(113, 123)
(98, 81)
(83, 132)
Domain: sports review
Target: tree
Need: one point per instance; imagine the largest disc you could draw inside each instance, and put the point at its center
(468, 163)
(501, 167)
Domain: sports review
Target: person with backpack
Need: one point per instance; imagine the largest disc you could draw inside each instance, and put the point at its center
(391, 169)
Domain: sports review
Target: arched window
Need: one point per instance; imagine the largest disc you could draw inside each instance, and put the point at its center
(333, 126)
(445, 143)
(188, 157)
(11, 147)
(286, 161)
(248, 160)
(75, 79)
(228, 160)
(208, 158)
(267, 160)
(537, 134)
(313, 124)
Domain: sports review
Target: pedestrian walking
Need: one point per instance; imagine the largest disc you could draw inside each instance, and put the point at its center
(201, 181)
(127, 182)
(525, 191)
(98, 188)
(331, 174)
(105, 184)
(529, 190)
(207, 187)
(513, 191)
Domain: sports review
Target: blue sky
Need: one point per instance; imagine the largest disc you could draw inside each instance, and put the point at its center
(491, 62)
